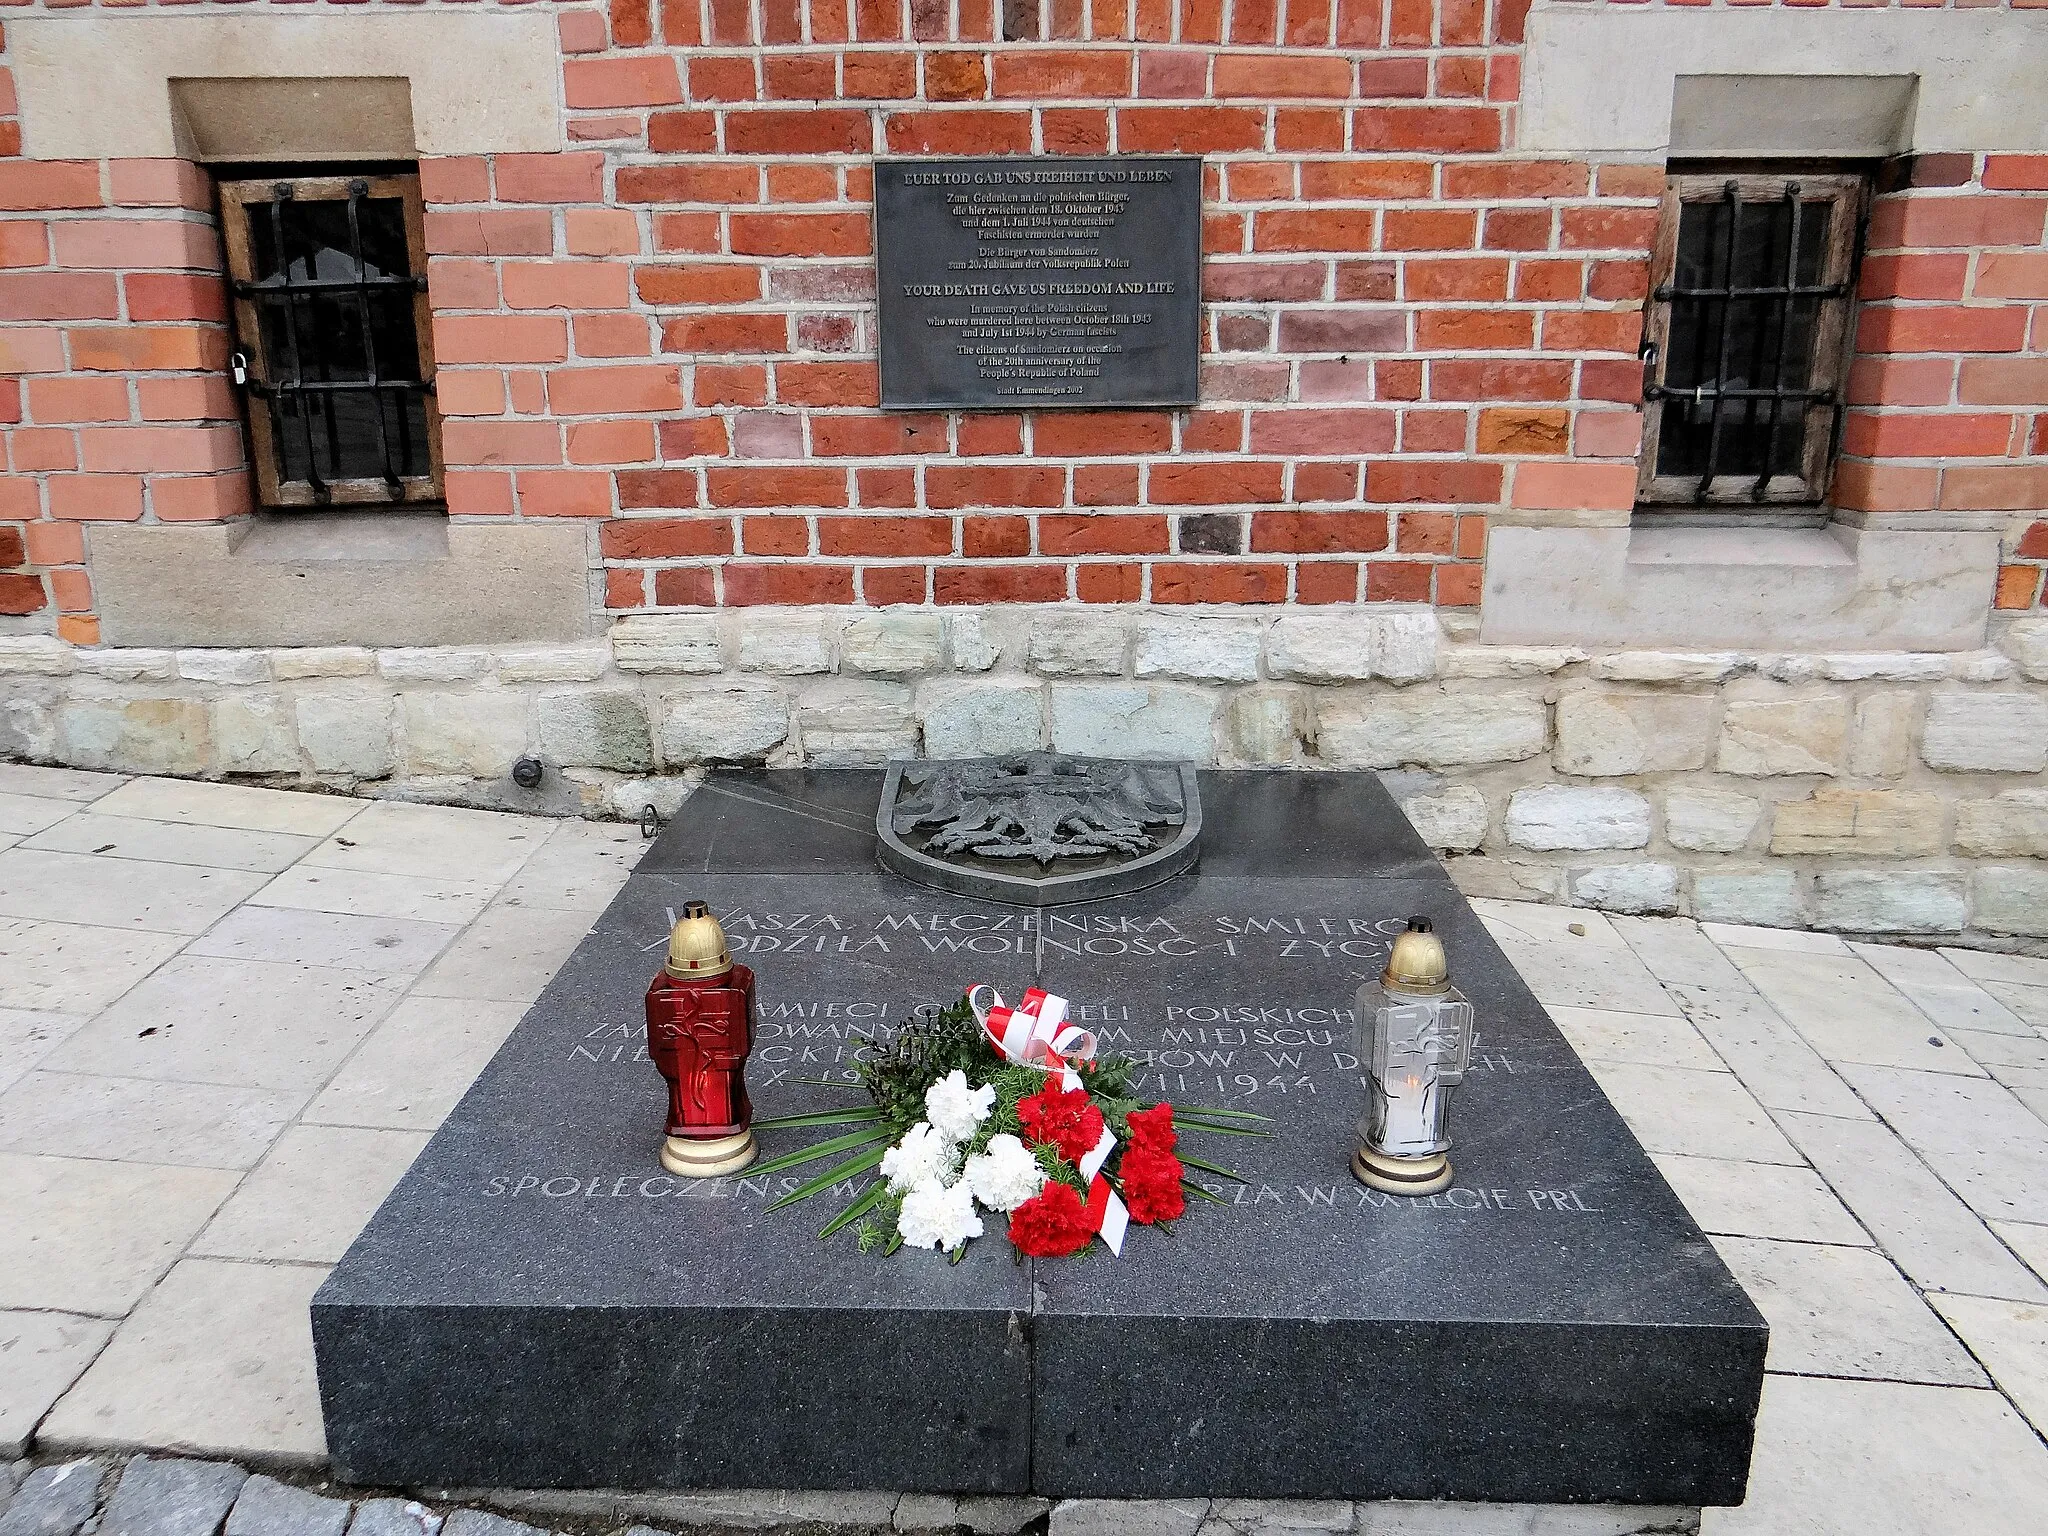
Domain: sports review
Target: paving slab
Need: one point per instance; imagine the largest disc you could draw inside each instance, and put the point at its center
(389, 946)
(1950, 999)
(365, 894)
(579, 868)
(2030, 1242)
(119, 893)
(1986, 1145)
(1879, 1458)
(1849, 1013)
(27, 1035)
(25, 815)
(1737, 936)
(310, 1195)
(73, 784)
(1918, 1221)
(1677, 952)
(240, 1023)
(132, 1120)
(1603, 1035)
(393, 1517)
(1694, 1114)
(1770, 1057)
(230, 805)
(74, 968)
(217, 1359)
(170, 842)
(1760, 1200)
(171, 1497)
(1565, 974)
(509, 953)
(1397, 1519)
(392, 837)
(1987, 965)
(92, 1236)
(411, 1069)
(267, 1507)
(2029, 1004)
(2011, 1339)
(43, 1353)
(1838, 1311)
(54, 1501)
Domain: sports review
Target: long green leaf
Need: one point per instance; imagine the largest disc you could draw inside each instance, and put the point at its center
(1182, 1111)
(830, 1082)
(1207, 1130)
(822, 1117)
(1196, 1162)
(861, 1138)
(845, 1170)
(858, 1209)
(1195, 1189)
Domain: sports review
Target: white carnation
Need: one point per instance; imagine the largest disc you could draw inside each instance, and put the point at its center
(954, 1109)
(922, 1156)
(1004, 1176)
(936, 1215)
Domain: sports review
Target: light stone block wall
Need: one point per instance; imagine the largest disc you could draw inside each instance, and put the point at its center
(1864, 792)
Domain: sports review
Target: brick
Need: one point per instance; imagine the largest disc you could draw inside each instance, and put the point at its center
(700, 181)
(1919, 276)
(1318, 533)
(22, 594)
(473, 443)
(1343, 330)
(171, 296)
(159, 184)
(155, 450)
(1192, 130)
(1428, 229)
(1469, 281)
(1389, 79)
(1327, 229)
(994, 485)
(33, 449)
(2016, 173)
(890, 535)
(59, 296)
(567, 285)
(995, 538)
(2017, 586)
(453, 284)
(884, 585)
(54, 544)
(1475, 330)
(2003, 381)
(564, 493)
(122, 244)
(799, 77)
(647, 80)
(775, 487)
(1953, 222)
(1509, 431)
(1074, 131)
(885, 487)
(1865, 487)
(958, 132)
(24, 243)
(491, 232)
(29, 185)
(663, 538)
(201, 498)
(953, 584)
(852, 383)
(747, 585)
(1575, 486)
(724, 283)
(774, 131)
(2009, 275)
(1347, 180)
(1092, 433)
(800, 234)
(1995, 487)
(1218, 582)
(96, 498)
(607, 391)
(1322, 432)
(878, 76)
(1271, 76)
(575, 177)
(1936, 328)
(1503, 180)
(672, 133)
(1101, 533)
(1063, 73)
(1924, 435)
(1212, 484)
(77, 399)
(1462, 483)
(204, 398)
(1607, 229)
(726, 333)
(684, 587)
(601, 232)
(501, 338)
(1452, 130)
(1505, 379)
(876, 436)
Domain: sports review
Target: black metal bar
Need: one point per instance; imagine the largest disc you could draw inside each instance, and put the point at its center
(1703, 394)
(1665, 292)
(280, 194)
(1733, 203)
(357, 191)
(1763, 479)
(249, 290)
(343, 386)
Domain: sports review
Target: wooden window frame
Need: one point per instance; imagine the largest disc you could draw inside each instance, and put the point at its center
(236, 198)
(1848, 192)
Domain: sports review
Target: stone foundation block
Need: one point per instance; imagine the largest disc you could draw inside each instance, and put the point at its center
(1649, 889)
(1454, 821)
(28, 727)
(723, 723)
(476, 734)
(1765, 737)
(595, 729)
(1350, 645)
(1077, 644)
(322, 661)
(433, 664)
(2013, 825)
(896, 642)
(41, 655)
(1199, 649)
(982, 718)
(1876, 823)
(1669, 666)
(971, 642)
(1125, 720)
(254, 732)
(1505, 660)
(553, 664)
(346, 733)
(847, 724)
(667, 642)
(786, 645)
(1882, 745)
(134, 735)
(130, 665)
(1886, 901)
(1768, 898)
(224, 666)
(2012, 899)
(1563, 816)
(1710, 820)
(2026, 642)
(1430, 729)
(1266, 725)
(1602, 733)
(1986, 732)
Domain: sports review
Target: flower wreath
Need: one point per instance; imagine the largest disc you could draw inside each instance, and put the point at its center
(985, 1108)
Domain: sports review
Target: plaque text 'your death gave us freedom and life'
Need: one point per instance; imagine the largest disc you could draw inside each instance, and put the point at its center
(1048, 281)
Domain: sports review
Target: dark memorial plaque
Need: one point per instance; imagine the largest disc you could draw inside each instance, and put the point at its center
(1020, 282)
(539, 1304)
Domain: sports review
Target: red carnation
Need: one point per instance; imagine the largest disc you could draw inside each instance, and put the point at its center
(1151, 1181)
(1069, 1121)
(1051, 1224)
(1152, 1128)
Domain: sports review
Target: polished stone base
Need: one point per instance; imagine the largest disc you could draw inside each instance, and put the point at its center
(539, 1304)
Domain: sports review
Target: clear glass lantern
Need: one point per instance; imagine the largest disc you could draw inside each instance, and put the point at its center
(1414, 1038)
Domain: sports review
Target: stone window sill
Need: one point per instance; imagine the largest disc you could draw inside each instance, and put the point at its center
(305, 538)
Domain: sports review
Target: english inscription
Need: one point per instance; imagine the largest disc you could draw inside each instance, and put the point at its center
(1046, 281)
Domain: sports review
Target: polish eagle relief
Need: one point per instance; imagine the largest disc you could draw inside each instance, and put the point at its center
(1039, 806)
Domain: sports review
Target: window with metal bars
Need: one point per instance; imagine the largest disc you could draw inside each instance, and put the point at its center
(1747, 341)
(334, 341)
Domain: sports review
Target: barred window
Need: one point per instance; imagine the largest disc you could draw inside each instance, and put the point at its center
(1747, 341)
(334, 340)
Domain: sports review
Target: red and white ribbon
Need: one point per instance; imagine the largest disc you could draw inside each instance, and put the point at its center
(1036, 1034)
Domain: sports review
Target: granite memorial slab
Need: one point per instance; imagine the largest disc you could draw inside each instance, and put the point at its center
(1040, 280)
(539, 1304)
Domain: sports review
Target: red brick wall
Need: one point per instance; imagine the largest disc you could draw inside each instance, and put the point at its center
(668, 328)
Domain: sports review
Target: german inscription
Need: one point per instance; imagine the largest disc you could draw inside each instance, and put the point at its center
(1045, 281)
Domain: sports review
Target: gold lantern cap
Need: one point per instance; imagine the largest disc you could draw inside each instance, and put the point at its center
(696, 946)
(1417, 965)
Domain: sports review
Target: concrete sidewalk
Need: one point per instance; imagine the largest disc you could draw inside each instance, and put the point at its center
(229, 1018)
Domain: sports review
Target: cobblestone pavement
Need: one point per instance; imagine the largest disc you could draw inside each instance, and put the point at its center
(1862, 1129)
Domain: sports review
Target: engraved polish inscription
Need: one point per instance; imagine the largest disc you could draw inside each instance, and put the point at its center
(1040, 281)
